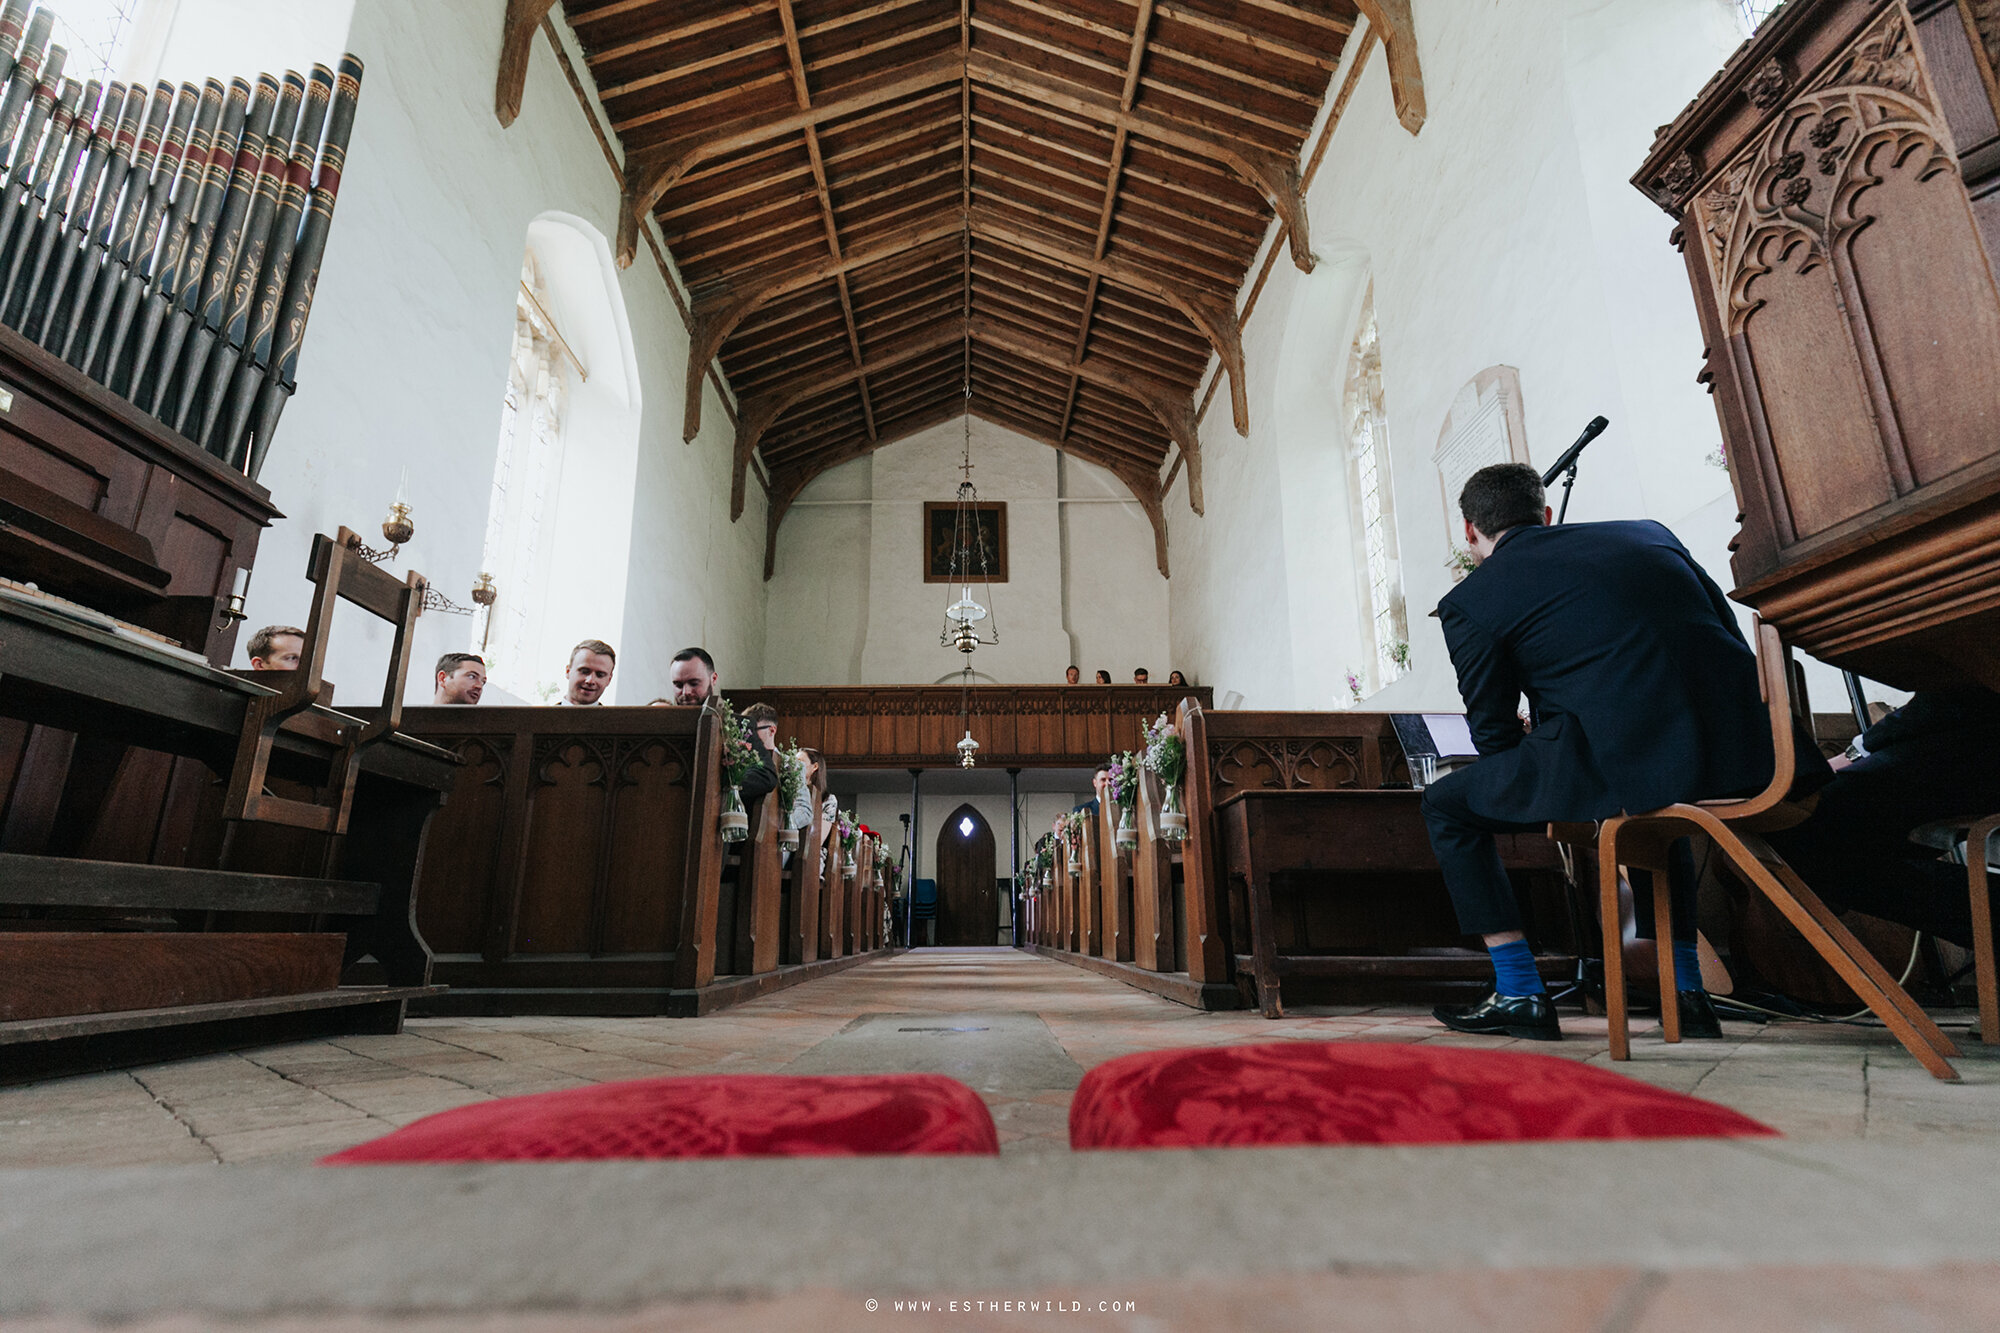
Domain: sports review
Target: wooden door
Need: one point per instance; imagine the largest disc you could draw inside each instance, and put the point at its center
(968, 905)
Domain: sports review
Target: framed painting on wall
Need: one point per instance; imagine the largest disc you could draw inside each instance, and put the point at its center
(987, 531)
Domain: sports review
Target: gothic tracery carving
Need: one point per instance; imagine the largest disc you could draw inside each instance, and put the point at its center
(1876, 95)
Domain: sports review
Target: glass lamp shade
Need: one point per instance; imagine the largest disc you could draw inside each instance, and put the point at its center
(965, 610)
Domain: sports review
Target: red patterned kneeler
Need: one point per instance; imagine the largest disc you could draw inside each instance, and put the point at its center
(730, 1115)
(1310, 1092)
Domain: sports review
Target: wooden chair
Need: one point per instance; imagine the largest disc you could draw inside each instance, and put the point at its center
(1640, 841)
(338, 571)
(1980, 839)
(1979, 848)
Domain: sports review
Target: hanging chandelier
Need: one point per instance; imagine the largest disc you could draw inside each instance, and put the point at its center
(971, 564)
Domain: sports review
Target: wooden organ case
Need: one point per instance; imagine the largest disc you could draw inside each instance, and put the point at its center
(1837, 187)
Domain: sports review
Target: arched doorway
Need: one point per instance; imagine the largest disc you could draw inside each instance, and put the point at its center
(968, 900)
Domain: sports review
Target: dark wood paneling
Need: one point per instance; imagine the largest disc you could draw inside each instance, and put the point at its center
(1834, 186)
(46, 974)
(578, 867)
(918, 726)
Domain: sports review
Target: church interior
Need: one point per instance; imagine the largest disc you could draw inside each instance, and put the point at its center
(738, 664)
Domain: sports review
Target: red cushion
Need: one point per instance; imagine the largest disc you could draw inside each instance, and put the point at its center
(1372, 1092)
(728, 1115)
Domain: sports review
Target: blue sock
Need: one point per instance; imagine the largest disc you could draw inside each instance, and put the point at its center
(1514, 970)
(1687, 965)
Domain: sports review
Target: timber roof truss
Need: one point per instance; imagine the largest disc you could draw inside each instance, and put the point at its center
(892, 212)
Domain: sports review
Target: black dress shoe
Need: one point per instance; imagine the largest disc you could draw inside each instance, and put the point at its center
(1698, 1020)
(1529, 1016)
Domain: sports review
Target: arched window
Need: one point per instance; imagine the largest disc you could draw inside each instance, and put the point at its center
(1372, 501)
(526, 473)
(565, 473)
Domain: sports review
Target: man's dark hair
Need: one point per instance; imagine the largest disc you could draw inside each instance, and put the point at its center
(449, 663)
(593, 646)
(758, 714)
(691, 654)
(1503, 496)
(266, 638)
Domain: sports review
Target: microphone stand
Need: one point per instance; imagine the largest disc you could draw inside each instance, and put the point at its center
(909, 894)
(1579, 982)
(1566, 465)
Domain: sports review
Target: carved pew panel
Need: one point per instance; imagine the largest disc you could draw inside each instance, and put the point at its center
(564, 856)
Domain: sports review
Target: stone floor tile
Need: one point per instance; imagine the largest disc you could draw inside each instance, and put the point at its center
(296, 1144)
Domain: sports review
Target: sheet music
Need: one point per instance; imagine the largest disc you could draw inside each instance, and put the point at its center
(1451, 735)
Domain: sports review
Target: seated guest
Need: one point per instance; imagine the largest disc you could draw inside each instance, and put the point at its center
(1141, 676)
(1072, 676)
(1930, 759)
(589, 674)
(1103, 677)
(460, 677)
(1176, 678)
(1644, 695)
(693, 676)
(763, 779)
(277, 648)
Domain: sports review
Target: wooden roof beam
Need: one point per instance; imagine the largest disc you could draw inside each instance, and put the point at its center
(1213, 315)
(1173, 408)
(756, 414)
(1144, 486)
(651, 173)
(1391, 18)
(786, 485)
(1267, 172)
(803, 90)
(716, 315)
(517, 38)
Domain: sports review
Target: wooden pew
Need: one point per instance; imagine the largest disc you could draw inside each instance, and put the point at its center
(751, 896)
(802, 881)
(1114, 890)
(833, 897)
(1155, 898)
(1273, 794)
(577, 867)
(1090, 937)
(103, 996)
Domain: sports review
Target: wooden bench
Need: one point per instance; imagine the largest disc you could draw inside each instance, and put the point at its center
(802, 877)
(209, 965)
(1314, 811)
(578, 868)
(1177, 918)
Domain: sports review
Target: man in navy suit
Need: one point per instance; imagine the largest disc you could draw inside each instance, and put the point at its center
(1643, 693)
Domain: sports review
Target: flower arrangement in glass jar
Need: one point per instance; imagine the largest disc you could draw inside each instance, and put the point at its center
(1166, 755)
(850, 840)
(739, 756)
(1072, 832)
(1122, 787)
(792, 765)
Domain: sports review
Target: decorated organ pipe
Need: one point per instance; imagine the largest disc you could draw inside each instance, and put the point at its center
(167, 242)
(51, 200)
(290, 334)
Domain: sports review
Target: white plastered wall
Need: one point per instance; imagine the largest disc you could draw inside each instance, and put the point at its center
(848, 603)
(405, 358)
(1505, 233)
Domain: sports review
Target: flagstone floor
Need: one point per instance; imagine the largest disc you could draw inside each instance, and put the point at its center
(294, 1103)
(1877, 1209)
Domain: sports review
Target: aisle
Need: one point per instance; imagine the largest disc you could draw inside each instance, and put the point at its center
(1019, 1028)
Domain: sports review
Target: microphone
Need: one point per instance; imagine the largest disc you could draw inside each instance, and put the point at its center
(1568, 460)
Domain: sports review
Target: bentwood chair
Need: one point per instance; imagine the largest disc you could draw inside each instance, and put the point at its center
(1640, 841)
(1969, 838)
